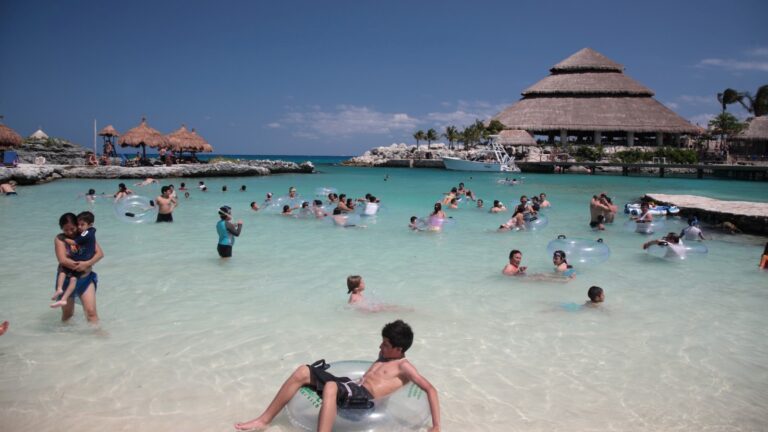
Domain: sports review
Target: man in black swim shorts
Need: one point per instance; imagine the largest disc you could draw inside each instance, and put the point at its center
(165, 204)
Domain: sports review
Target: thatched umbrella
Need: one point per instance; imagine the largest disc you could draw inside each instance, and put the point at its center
(203, 144)
(143, 135)
(182, 140)
(8, 137)
(754, 139)
(109, 134)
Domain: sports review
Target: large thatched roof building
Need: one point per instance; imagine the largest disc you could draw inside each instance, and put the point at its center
(753, 141)
(587, 98)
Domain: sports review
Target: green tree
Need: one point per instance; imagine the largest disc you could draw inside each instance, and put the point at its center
(726, 125)
(431, 136)
(494, 127)
(419, 136)
(451, 134)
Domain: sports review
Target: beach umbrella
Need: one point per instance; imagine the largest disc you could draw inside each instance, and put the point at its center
(182, 140)
(109, 131)
(203, 145)
(143, 135)
(8, 137)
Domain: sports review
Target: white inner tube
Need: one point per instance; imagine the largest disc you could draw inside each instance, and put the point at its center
(405, 409)
(579, 250)
(136, 209)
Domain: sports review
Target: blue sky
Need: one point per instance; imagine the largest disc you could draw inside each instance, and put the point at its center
(339, 77)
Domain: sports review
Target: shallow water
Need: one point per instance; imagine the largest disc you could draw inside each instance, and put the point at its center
(191, 342)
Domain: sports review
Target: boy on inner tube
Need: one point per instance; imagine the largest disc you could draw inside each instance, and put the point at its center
(385, 376)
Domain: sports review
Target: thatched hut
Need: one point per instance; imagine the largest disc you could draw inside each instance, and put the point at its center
(588, 99)
(752, 142)
(108, 135)
(8, 137)
(143, 135)
(38, 135)
(204, 145)
(182, 140)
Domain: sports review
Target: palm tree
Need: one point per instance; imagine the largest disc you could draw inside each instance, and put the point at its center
(431, 136)
(726, 125)
(758, 105)
(419, 136)
(452, 135)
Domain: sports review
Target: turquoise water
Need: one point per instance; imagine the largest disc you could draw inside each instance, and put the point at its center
(191, 342)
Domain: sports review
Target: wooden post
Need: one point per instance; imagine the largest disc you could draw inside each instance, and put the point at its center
(700, 173)
(563, 137)
(625, 171)
(598, 138)
(659, 139)
(630, 139)
(661, 172)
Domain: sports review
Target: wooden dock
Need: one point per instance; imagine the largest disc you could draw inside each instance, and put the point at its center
(750, 217)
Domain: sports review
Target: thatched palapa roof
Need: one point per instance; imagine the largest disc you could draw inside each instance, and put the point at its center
(8, 137)
(143, 135)
(183, 140)
(38, 135)
(589, 92)
(515, 137)
(109, 131)
(757, 130)
(205, 147)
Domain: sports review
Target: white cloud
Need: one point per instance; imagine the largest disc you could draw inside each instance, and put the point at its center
(672, 105)
(274, 125)
(758, 52)
(347, 120)
(464, 114)
(697, 100)
(734, 65)
(701, 119)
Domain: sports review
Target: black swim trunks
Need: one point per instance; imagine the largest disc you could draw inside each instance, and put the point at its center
(165, 217)
(350, 395)
(225, 251)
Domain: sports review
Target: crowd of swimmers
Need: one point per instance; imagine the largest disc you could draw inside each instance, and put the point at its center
(77, 251)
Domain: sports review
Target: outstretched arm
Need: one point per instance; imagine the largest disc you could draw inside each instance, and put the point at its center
(413, 375)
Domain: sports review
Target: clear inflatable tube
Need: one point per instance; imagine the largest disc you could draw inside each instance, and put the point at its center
(404, 410)
(276, 206)
(539, 223)
(433, 223)
(677, 252)
(322, 192)
(583, 251)
(136, 209)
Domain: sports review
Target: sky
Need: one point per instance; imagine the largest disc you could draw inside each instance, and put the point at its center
(339, 77)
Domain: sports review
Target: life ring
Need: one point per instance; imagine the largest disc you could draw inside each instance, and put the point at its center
(583, 251)
(136, 209)
(405, 409)
(538, 223)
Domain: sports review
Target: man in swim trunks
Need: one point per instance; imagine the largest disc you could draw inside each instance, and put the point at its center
(8, 188)
(513, 267)
(388, 374)
(165, 205)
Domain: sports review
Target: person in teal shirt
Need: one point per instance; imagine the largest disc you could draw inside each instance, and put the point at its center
(227, 232)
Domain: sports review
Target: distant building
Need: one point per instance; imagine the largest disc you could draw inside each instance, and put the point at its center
(587, 99)
(752, 142)
(39, 135)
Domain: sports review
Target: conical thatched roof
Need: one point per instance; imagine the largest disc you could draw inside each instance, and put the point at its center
(8, 137)
(757, 130)
(204, 146)
(39, 135)
(183, 140)
(143, 134)
(109, 131)
(589, 92)
(586, 60)
(515, 137)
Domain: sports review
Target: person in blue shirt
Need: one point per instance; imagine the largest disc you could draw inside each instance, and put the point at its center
(227, 232)
(82, 248)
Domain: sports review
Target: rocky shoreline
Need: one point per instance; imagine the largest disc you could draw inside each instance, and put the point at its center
(28, 174)
(749, 217)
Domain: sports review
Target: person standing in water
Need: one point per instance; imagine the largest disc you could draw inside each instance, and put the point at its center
(166, 204)
(227, 232)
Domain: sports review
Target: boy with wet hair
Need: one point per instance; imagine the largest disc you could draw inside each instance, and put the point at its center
(355, 287)
(82, 248)
(596, 296)
(386, 375)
